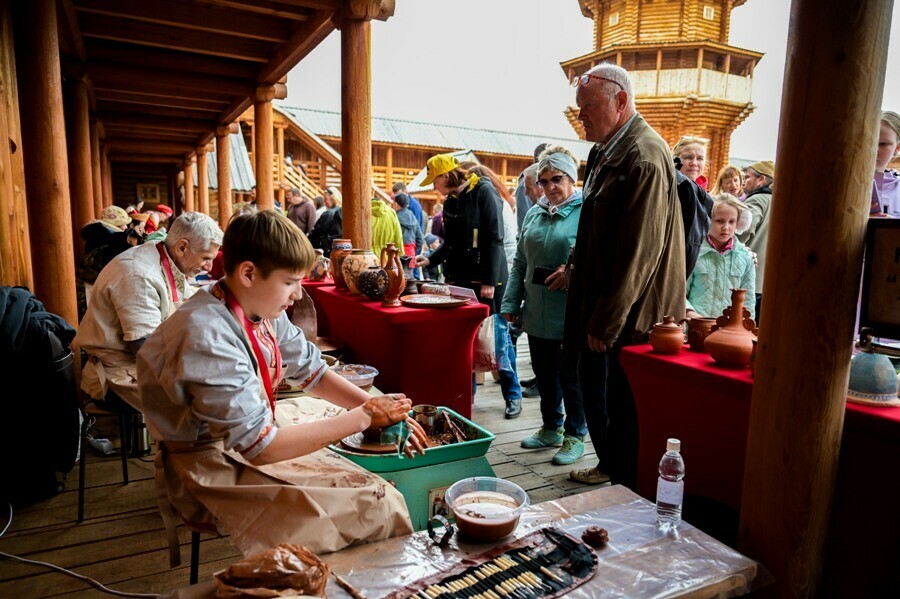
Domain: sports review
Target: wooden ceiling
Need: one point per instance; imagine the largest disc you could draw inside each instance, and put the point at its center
(163, 74)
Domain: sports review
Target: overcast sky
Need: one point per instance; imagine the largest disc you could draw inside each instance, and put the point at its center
(494, 64)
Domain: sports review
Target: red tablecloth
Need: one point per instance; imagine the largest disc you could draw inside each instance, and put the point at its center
(689, 397)
(425, 353)
(310, 287)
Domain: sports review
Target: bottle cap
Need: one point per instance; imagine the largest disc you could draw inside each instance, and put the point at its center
(673, 445)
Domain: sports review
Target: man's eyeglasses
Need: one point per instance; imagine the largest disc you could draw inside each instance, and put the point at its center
(555, 180)
(583, 79)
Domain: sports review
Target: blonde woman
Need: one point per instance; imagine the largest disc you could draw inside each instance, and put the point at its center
(886, 185)
(330, 225)
(691, 151)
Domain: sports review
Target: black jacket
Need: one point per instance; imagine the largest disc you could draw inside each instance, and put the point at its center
(472, 252)
(696, 213)
(329, 227)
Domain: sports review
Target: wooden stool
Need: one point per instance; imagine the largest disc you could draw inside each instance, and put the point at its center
(90, 412)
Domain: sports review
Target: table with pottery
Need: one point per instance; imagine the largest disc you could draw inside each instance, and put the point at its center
(421, 344)
(693, 393)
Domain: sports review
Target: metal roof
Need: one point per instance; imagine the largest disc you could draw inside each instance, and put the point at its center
(242, 178)
(430, 135)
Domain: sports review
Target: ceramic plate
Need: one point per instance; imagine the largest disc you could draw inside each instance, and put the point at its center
(433, 301)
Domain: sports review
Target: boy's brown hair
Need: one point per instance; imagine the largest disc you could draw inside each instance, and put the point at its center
(269, 240)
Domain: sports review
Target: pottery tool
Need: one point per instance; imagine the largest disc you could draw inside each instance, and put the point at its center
(352, 590)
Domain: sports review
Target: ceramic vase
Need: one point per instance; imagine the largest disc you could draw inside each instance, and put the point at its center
(698, 330)
(319, 270)
(354, 264)
(391, 264)
(411, 286)
(667, 337)
(340, 248)
(731, 341)
(373, 282)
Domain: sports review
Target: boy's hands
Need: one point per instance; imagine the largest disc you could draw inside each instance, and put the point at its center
(386, 410)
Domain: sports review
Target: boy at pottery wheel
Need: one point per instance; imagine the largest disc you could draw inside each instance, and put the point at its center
(207, 379)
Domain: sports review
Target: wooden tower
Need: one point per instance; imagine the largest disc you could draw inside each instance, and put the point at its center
(687, 79)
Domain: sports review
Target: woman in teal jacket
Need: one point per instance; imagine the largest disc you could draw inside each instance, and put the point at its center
(547, 233)
(724, 262)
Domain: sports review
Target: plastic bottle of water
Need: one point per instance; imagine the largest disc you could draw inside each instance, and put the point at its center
(670, 487)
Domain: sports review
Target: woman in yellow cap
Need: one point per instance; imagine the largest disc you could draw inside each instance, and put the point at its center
(472, 252)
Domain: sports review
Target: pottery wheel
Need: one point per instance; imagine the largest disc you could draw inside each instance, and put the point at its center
(356, 442)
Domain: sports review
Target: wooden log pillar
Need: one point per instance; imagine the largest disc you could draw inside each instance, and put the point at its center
(832, 96)
(188, 171)
(262, 113)
(172, 186)
(81, 176)
(202, 181)
(356, 139)
(15, 241)
(46, 171)
(389, 170)
(96, 171)
(223, 175)
(279, 147)
(106, 175)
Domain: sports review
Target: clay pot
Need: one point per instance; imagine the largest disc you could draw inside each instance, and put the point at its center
(355, 264)
(731, 341)
(667, 337)
(390, 262)
(373, 282)
(340, 248)
(319, 270)
(698, 330)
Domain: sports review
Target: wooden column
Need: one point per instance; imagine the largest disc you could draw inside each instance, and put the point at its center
(15, 244)
(96, 171)
(832, 97)
(223, 174)
(202, 182)
(356, 140)
(188, 172)
(172, 186)
(106, 176)
(279, 148)
(389, 170)
(262, 112)
(81, 176)
(46, 172)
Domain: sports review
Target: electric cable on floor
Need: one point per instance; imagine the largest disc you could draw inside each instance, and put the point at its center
(81, 577)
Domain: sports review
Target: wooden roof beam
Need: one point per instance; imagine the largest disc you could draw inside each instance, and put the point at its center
(149, 99)
(102, 50)
(114, 106)
(262, 7)
(164, 36)
(122, 132)
(152, 81)
(148, 158)
(302, 42)
(184, 16)
(68, 23)
(133, 146)
(155, 123)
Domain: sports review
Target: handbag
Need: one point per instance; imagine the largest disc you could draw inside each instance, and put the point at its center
(483, 357)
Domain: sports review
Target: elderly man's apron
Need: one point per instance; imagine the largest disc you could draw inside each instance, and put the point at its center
(322, 500)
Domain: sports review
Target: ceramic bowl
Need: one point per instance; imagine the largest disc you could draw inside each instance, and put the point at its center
(361, 375)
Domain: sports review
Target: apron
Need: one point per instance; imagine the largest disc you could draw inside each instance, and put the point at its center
(116, 370)
(321, 501)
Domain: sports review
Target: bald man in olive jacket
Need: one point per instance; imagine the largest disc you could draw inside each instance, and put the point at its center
(628, 267)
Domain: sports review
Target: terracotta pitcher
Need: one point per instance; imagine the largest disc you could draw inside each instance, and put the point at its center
(731, 340)
(698, 330)
(390, 262)
(340, 249)
(667, 337)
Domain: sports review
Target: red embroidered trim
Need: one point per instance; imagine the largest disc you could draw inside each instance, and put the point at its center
(265, 433)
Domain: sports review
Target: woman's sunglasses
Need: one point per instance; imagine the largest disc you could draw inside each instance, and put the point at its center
(555, 180)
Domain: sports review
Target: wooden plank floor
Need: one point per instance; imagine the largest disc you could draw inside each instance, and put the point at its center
(122, 544)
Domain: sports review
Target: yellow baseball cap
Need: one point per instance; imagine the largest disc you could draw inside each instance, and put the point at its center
(438, 165)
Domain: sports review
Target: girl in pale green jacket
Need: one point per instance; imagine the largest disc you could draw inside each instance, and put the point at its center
(724, 263)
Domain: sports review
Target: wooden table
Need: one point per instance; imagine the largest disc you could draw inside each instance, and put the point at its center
(639, 561)
(425, 353)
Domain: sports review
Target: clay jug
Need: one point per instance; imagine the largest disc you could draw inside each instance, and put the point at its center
(354, 264)
(319, 269)
(373, 282)
(698, 330)
(667, 337)
(390, 262)
(731, 340)
(340, 248)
